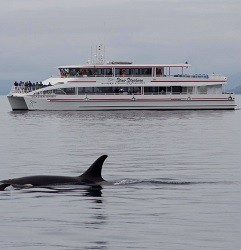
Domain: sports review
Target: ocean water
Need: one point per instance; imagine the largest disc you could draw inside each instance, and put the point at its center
(177, 178)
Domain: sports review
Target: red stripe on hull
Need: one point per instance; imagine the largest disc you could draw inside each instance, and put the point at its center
(127, 100)
(188, 81)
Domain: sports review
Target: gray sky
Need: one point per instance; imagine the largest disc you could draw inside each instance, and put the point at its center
(38, 35)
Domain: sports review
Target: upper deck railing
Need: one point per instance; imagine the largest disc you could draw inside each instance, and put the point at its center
(24, 89)
(192, 76)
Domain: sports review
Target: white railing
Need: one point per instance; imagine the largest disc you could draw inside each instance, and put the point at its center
(202, 76)
(22, 89)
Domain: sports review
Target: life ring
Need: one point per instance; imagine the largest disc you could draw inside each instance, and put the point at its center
(133, 98)
(230, 98)
(189, 98)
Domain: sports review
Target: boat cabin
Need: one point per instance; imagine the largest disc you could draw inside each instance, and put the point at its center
(122, 70)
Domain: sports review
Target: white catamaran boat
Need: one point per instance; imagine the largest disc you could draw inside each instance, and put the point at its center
(124, 86)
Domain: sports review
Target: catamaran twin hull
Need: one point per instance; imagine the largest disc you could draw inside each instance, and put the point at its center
(89, 103)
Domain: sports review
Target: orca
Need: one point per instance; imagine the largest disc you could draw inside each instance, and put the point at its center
(92, 176)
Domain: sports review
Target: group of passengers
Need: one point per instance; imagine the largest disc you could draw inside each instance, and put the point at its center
(90, 72)
(29, 86)
(83, 72)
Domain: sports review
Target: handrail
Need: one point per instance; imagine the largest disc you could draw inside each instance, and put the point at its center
(203, 76)
(22, 89)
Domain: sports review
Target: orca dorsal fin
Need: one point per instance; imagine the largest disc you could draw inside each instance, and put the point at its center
(93, 173)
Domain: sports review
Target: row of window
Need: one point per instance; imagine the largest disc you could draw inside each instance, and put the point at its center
(120, 90)
(75, 72)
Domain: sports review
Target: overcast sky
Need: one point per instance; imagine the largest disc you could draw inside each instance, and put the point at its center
(39, 35)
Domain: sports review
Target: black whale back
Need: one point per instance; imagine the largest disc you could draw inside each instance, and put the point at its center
(91, 176)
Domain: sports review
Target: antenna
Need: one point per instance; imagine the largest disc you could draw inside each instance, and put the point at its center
(99, 56)
(91, 55)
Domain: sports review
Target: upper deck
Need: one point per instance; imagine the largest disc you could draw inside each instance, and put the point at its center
(165, 72)
(115, 69)
(128, 65)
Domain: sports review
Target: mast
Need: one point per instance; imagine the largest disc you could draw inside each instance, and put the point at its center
(99, 56)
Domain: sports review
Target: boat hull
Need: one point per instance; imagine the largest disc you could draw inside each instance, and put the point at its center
(17, 102)
(129, 103)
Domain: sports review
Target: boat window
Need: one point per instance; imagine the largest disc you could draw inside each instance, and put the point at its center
(187, 90)
(109, 90)
(59, 92)
(168, 90)
(89, 90)
(46, 92)
(134, 90)
(64, 91)
(133, 71)
(202, 89)
(64, 72)
(102, 72)
(72, 72)
(162, 90)
(159, 71)
(176, 89)
(106, 90)
(150, 90)
(122, 72)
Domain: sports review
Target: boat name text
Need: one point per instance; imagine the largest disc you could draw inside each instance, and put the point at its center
(129, 81)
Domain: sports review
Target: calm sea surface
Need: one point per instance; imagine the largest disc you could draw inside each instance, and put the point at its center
(177, 179)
